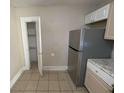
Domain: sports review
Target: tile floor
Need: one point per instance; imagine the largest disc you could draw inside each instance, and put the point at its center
(51, 82)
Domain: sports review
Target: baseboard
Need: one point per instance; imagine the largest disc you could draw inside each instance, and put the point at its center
(16, 77)
(55, 68)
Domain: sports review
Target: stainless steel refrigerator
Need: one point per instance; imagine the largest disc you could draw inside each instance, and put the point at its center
(85, 44)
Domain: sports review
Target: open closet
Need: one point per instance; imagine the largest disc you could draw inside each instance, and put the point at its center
(32, 43)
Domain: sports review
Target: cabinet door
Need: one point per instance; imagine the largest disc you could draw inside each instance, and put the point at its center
(102, 13)
(94, 85)
(88, 19)
(93, 16)
(109, 34)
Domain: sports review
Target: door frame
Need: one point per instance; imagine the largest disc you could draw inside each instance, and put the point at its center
(24, 32)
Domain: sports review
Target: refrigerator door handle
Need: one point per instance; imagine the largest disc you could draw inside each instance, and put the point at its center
(75, 49)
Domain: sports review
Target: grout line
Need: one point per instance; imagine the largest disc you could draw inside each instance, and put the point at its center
(37, 85)
(58, 81)
(48, 81)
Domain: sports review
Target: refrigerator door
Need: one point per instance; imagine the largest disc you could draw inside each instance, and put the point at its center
(75, 39)
(74, 63)
(94, 44)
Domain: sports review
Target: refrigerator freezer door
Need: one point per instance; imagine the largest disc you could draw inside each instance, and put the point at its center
(75, 38)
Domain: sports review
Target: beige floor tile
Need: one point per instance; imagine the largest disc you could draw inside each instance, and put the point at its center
(34, 64)
(44, 77)
(34, 70)
(42, 85)
(54, 85)
(77, 92)
(35, 76)
(68, 77)
(62, 76)
(29, 92)
(66, 92)
(25, 76)
(79, 88)
(34, 67)
(20, 85)
(45, 72)
(53, 76)
(72, 85)
(42, 91)
(84, 90)
(32, 85)
(27, 72)
(64, 85)
(53, 72)
(16, 91)
(54, 92)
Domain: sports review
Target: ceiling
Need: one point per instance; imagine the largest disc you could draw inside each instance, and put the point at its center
(32, 3)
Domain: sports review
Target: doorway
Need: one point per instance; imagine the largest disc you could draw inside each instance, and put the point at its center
(32, 42)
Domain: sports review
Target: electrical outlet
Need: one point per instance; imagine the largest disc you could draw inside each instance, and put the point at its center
(52, 54)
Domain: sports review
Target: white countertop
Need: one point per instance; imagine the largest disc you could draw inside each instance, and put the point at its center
(104, 68)
(107, 65)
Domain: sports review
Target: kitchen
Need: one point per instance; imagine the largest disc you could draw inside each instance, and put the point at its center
(106, 65)
(77, 40)
(95, 70)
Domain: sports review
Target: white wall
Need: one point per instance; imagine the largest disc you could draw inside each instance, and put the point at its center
(56, 22)
(16, 58)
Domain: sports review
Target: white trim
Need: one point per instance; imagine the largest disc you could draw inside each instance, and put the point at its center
(55, 68)
(24, 20)
(25, 42)
(16, 77)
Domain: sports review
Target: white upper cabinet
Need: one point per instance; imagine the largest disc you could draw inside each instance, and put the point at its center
(87, 19)
(90, 18)
(102, 13)
(97, 15)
